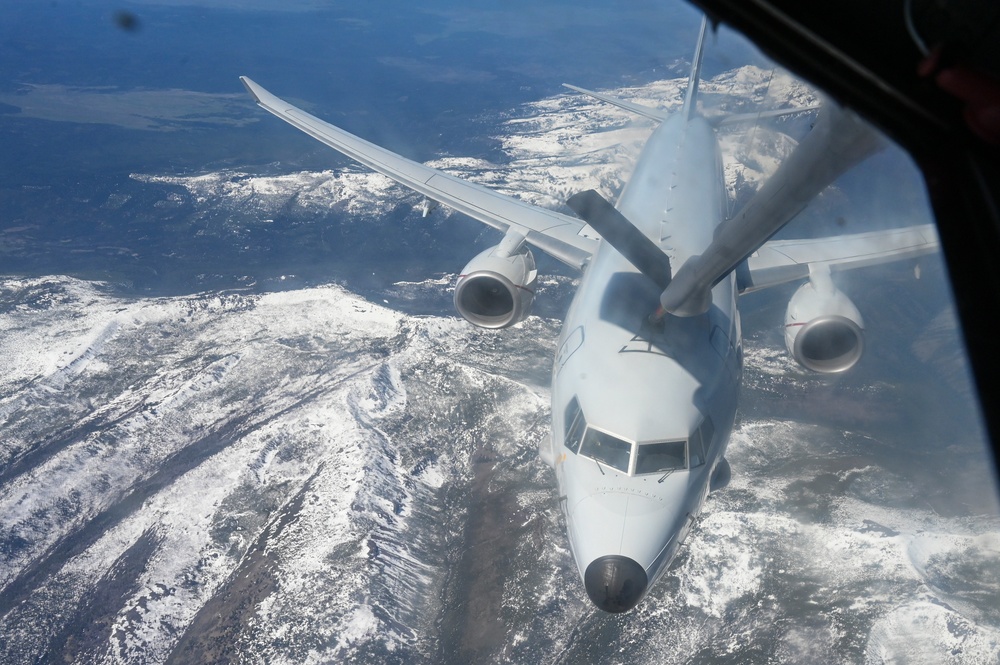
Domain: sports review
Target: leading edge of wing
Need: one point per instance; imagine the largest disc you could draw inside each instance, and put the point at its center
(780, 261)
(552, 232)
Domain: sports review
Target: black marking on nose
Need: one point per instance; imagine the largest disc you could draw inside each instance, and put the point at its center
(615, 583)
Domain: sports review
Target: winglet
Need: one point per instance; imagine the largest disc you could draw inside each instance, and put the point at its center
(251, 87)
(264, 98)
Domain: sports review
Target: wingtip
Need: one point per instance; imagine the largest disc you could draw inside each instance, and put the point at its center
(251, 87)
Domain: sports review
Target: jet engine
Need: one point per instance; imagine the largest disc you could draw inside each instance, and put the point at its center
(824, 331)
(497, 287)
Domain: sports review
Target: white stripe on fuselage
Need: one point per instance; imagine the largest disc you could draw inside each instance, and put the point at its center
(647, 385)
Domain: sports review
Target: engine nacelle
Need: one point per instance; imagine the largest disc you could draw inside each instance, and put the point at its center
(824, 331)
(497, 287)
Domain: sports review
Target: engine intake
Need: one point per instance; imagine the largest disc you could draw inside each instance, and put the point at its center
(824, 331)
(497, 287)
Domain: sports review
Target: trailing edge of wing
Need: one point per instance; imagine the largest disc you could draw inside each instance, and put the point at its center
(726, 120)
(654, 114)
(780, 261)
(552, 232)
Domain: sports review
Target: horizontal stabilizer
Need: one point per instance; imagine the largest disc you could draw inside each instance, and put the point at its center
(655, 114)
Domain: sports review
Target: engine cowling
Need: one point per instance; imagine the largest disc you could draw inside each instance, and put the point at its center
(824, 331)
(497, 288)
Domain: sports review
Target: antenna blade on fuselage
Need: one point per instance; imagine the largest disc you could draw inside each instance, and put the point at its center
(621, 234)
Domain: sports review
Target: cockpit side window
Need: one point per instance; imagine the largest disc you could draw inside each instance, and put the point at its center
(700, 442)
(707, 432)
(659, 457)
(696, 449)
(608, 449)
(574, 424)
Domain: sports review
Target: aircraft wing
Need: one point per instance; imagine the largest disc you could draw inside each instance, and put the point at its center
(726, 120)
(780, 261)
(552, 232)
(838, 141)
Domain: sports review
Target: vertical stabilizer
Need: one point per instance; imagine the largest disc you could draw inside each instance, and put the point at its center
(692, 91)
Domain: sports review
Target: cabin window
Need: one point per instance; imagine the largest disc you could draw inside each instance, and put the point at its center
(661, 456)
(606, 448)
(574, 424)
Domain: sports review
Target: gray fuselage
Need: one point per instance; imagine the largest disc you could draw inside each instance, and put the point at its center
(621, 382)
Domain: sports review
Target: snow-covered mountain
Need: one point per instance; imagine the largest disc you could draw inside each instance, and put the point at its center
(310, 476)
(159, 452)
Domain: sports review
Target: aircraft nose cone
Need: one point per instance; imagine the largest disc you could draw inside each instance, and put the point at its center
(615, 583)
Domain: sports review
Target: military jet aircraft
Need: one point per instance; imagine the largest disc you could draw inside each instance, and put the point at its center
(649, 360)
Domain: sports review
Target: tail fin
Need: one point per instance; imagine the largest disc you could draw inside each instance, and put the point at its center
(657, 114)
(692, 90)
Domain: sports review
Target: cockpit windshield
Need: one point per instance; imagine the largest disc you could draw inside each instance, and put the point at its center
(661, 456)
(615, 452)
(603, 447)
